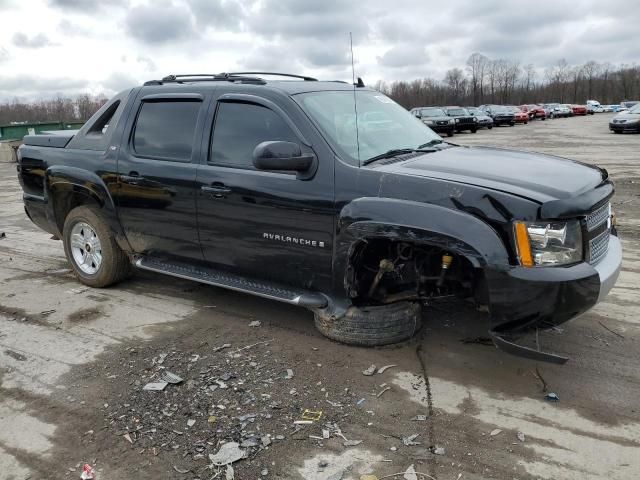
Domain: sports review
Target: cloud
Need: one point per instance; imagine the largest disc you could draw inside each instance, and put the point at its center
(221, 14)
(73, 29)
(160, 23)
(119, 81)
(4, 55)
(404, 56)
(21, 40)
(30, 86)
(86, 6)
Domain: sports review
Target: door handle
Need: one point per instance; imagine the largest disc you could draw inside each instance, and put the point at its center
(216, 190)
(133, 178)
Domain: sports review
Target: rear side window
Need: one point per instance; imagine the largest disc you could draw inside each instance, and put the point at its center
(239, 128)
(165, 130)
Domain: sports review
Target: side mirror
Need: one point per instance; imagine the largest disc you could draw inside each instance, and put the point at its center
(278, 155)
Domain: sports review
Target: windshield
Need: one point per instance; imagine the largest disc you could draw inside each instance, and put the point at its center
(499, 109)
(474, 111)
(457, 112)
(635, 109)
(383, 125)
(432, 112)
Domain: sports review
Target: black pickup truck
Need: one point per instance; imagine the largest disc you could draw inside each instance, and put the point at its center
(278, 188)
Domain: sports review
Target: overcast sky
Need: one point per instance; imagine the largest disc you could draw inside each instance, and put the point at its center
(102, 46)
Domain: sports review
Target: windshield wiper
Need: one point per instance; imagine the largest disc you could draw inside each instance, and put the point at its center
(435, 141)
(395, 153)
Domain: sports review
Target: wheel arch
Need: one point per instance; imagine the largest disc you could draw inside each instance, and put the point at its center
(69, 187)
(428, 224)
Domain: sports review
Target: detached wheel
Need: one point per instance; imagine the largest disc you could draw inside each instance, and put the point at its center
(373, 326)
(91, 250)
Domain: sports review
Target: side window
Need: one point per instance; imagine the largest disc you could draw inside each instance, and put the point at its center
(239, 128)
(101, 125)
(165, 129)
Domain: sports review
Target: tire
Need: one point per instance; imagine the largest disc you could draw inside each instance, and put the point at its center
(450, 133)
(86, 225)
(511, 124)
(474, 130)
(490, 127)
(617, 131)
(526, 123)
(372, 326)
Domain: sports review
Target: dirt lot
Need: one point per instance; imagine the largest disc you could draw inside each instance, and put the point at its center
(74, 360)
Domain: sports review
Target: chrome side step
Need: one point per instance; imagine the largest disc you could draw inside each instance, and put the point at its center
(231, 282)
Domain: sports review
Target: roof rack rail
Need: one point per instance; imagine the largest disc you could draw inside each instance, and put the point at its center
(224, 77)
(276, 74)
(205, 77)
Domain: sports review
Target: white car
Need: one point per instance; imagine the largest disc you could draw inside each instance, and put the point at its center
(594, 106)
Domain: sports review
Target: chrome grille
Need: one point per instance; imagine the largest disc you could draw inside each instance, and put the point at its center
(598, 217)
(598, 246)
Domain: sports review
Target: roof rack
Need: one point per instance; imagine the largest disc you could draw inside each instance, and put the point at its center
(275, 74)
(224, 77)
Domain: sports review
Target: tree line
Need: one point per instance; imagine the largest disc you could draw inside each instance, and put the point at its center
(508, 82)
(59, 109)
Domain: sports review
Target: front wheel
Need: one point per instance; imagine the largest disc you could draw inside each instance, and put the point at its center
(450, 133)
(474, 130)
(490, 127)
(374, 325)
(511, 124)
(92, 252)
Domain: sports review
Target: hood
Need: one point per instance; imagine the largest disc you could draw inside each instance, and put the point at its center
(628, 117)
(436, 119)
(535, 176)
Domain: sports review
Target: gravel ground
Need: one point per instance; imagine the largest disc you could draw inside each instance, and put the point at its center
(74, 362)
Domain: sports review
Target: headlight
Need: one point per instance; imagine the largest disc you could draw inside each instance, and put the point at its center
(457, 120)
(548, 243)
(475, 119)
(451, 122)
(429, 122)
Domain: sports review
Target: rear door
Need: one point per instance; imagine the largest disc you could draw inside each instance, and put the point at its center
(157, 172)
(271, 226)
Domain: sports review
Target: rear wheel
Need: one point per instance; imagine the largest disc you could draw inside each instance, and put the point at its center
(91, 250)
(374, 325)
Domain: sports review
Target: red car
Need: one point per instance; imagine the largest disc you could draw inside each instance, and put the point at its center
(579, 109)
(534, 111)
(519, 115)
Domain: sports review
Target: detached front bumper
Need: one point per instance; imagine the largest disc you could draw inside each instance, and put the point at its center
(525, 299)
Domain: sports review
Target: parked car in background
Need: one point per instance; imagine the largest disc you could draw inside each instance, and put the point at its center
(593, 106)
(628, 121)
(579, 109)
(627, 104)
(569, 107)
(484, 120)
(534, 111)
(436, 119)
(499, 114)
(463, 119)
(559, 110)
(518, 115)
(607, 108)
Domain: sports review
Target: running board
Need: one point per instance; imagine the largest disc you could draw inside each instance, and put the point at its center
(231, 282)
(526, 352)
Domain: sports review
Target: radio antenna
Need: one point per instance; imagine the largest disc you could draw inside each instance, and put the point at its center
(355, 103)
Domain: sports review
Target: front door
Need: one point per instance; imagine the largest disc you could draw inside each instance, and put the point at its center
(268, 226)
(156, 176)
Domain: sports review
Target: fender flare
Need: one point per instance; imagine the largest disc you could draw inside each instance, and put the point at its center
(453, 230)
(61, 179)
